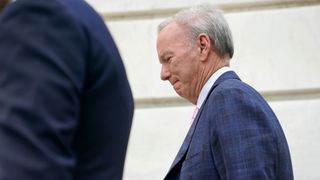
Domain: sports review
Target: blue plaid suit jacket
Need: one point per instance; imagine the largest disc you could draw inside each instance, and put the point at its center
(235, 135)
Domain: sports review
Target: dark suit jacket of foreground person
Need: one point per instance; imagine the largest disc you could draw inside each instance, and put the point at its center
(65, 102)
(247, 143)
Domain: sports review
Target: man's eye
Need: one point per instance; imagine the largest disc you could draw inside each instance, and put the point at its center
(169, 59)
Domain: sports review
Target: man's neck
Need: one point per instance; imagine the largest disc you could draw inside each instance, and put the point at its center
(208, 85)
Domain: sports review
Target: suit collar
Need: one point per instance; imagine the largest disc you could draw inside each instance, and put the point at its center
(186, 143)
(226, 76)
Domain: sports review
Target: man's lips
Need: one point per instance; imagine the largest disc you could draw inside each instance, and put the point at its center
(176, 85)
(173, 82)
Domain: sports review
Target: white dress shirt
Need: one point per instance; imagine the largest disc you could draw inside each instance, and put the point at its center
(206, 88)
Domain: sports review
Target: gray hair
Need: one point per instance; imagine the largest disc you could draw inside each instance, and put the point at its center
(206, 19)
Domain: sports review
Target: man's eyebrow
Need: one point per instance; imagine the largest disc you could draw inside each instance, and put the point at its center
(165, 55)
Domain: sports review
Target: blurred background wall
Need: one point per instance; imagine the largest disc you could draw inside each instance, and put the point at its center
(277, 44)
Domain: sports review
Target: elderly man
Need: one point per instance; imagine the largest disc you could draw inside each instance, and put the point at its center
(235, 134)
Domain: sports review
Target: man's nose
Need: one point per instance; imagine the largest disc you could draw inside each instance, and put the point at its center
(165, 73)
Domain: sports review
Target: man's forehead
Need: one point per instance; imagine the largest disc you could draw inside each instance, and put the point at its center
(172, 32)
(172, 27)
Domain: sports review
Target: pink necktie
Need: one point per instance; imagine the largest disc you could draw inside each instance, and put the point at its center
(195, 111)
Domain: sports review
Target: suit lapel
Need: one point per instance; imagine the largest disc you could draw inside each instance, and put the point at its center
(186, 143)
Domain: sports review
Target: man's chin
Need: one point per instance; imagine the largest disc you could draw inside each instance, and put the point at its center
(179, 92)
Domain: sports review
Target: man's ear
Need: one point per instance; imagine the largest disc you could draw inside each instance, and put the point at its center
(204, 46)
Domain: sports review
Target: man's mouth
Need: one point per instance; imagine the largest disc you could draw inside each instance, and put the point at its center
(173, 82)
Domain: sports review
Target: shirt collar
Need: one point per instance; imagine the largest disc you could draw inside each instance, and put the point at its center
(207, 86)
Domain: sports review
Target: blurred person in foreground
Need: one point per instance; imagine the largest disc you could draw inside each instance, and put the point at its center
(65, 103)
(235, 134)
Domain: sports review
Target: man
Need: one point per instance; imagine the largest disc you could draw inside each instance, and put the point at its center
(65, 103)
(235, 134)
